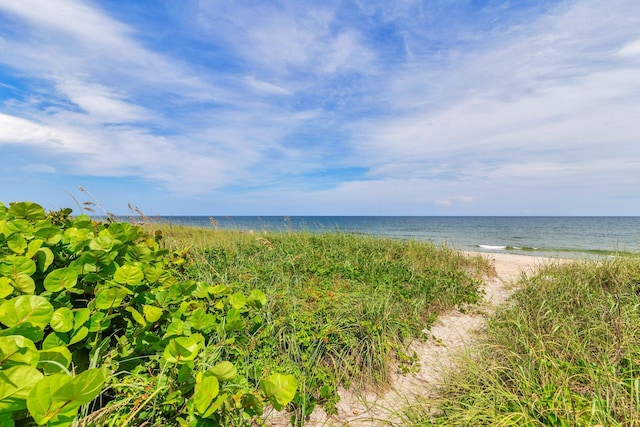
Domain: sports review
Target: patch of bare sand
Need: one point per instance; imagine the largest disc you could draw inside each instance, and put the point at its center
(451, 333)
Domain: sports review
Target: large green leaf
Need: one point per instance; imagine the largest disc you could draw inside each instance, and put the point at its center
(103, 242)
(24, 284)
(42, 404)
(17, 243)
(44, 258)
(57, 398)
(201, 320)
(183, 349)
(33, 247)
(19, 226)
(257, 298)
(55, 360)
(32, 309)
(62, 320)
(15, 384)
(129, 274)
(79, 335)
(5, 287)
(151, 313)
(13, 265)
(80, 317)
(51, 235)
(27, 210)
(62, 278)
(27, 330)
(237, 300)
(223, 371)
(112, 296)
(17, 350)
(234, 320)
(280, 389)
(204, 394)
(83, 388)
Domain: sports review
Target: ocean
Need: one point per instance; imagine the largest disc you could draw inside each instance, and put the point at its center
(544, 236)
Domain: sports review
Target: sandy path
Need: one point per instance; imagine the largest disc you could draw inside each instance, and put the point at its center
(451, 334)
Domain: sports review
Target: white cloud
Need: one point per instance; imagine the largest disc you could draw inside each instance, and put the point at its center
(528, 96)
(630, 49)
(286, 38)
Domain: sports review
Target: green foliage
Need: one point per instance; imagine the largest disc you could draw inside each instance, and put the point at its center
(340, 309)
(565, 352)
(95, 324)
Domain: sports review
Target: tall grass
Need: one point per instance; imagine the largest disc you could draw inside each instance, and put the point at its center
(342, 308)
(565, 352)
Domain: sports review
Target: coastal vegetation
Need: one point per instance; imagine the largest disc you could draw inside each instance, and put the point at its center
(110, 323)
(565, 351)
(341, 309)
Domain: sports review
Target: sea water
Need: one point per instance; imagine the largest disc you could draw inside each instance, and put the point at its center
(549, 236)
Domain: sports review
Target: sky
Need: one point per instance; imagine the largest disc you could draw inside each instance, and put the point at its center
(296, 107)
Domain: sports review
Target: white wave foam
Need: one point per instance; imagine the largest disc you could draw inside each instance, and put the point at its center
(492, 248)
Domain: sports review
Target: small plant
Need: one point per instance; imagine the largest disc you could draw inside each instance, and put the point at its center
(96, 326)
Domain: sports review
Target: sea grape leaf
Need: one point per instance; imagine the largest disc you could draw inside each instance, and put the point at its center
(201, 320)
(83, 221)
(182, 349)
(62, 320)
(5, 287)
(79, 335)
(129, 274)
(20, 226)
(13, 265)
(32, 309)
(99, 322)
(104, 242)
(24, 284)
(27, 330)
(15, 384)
(76, 237)
(17, 243)
(44, 258)
(219, 290)
(80, 317)
(204, 394)
(83, 388)
(234, 320)
(33, 247)
(41, 401)
(54, 340)
(280, 389)
(55, 360)
(237, 300)
(223, 371)
(176, 327)
(136, 316)
(62, 278)
(51, 235)
(257, 298)
(112, 296)
(139, 253)
(27, 210)
(151, 313)
(17, 350)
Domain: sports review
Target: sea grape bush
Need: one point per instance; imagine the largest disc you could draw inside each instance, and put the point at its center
(96, 327)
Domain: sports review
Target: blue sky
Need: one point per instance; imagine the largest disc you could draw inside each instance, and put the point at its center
(206, 107)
